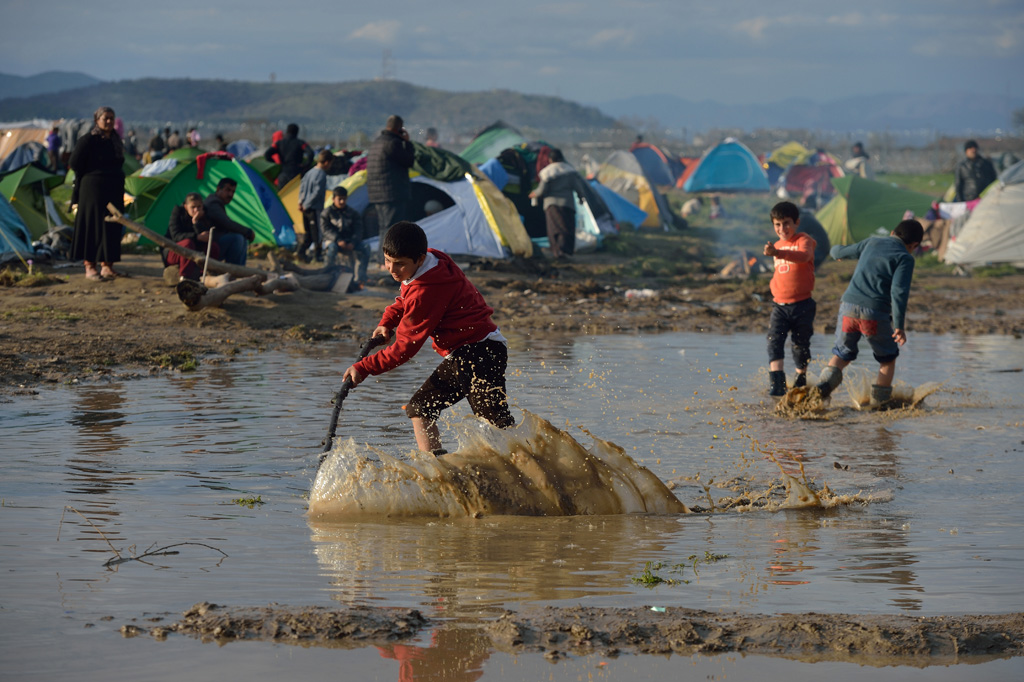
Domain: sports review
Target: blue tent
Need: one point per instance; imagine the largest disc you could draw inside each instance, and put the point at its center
(623, 210)
(660, 169)
(15, 240)
(30, 152)
(241, 148)
(728, 167)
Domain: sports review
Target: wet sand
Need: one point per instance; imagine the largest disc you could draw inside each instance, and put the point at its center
(872, 640)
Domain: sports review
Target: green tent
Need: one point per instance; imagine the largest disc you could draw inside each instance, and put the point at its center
(255, 204)
(28, 190)
(268, 169)
(862, 208)
(491, 141)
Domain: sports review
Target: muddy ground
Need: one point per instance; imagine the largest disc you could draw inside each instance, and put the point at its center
(72, 330)
(874, 640)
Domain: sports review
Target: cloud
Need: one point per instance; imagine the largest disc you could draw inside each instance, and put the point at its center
(754, 27)
(612, 36)
(851, 19)
(378, 31)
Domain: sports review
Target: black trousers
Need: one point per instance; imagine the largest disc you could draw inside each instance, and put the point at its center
(475, 371)
(311, 224)
(797, 320)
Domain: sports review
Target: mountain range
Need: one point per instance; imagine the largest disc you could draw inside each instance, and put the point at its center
(346, 108)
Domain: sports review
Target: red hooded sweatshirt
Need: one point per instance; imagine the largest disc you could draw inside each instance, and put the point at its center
(440, 303)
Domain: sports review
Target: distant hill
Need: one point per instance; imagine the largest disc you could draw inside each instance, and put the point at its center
(43, 83)
(346, 107)
(952, 113)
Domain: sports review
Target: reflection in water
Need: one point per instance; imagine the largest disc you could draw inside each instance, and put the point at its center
(468, 567)
(455, 654)
(99, 417)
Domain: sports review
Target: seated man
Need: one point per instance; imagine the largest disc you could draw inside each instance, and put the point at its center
(232, 238)
(190, 227)
(343, 231)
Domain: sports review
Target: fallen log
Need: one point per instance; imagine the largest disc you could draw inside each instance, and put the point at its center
(196, 257)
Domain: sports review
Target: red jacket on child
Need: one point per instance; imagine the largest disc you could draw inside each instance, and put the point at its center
(793, 280)
(440, 303)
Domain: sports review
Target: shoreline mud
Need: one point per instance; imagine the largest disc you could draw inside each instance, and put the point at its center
(870, 640)
(72, 330)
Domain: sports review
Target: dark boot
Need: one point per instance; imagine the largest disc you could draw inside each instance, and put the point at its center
(880, 396)
(829, 381)
(778, 383)
(801, 380)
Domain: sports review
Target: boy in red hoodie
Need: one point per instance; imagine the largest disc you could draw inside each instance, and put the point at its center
(792, 284)
(437, 300)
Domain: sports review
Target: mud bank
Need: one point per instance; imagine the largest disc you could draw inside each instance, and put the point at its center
(72, 330)
(875, 640)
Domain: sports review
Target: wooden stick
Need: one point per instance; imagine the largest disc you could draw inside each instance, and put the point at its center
(195, 256)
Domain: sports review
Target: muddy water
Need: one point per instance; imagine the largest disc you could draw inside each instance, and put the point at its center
(923, 513)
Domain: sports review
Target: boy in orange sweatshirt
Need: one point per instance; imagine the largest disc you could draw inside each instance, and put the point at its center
(437, 301)
(792, 284)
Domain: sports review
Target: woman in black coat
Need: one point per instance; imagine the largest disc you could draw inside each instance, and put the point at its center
(98, 161)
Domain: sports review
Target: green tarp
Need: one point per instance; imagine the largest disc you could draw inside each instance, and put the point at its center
(440, 164)
(863, 208)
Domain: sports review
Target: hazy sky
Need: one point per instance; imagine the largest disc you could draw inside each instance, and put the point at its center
(732, 51)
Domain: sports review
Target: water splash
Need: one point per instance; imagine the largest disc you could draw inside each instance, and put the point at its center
(533, 469)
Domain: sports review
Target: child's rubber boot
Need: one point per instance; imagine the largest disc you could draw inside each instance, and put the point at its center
(801, 380)
(829, 381)
(778, 383)
(880, 396)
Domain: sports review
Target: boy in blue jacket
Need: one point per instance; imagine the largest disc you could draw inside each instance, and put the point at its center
(874, 306)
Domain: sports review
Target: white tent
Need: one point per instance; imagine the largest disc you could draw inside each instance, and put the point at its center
(995, 231)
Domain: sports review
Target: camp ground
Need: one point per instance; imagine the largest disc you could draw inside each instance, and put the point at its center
(994, 232)
(28, 190)
(255, 203)
(862, 208)
(728, 167)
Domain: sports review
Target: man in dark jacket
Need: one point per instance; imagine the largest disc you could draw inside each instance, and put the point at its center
(233, 238)
(973, 174)
(296, 156)
(388, 162)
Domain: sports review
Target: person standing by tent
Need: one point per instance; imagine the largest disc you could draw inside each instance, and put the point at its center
(973, 174)
(858, 163)
(793, 308)
(875, 306)
(173, 140)
(558, 187)
(388, 161)
(438, 301)
(157, 147)
(294, 155)
(432, 139)
(233, 238)
(53, 148)
(312, 193)
(99, 180)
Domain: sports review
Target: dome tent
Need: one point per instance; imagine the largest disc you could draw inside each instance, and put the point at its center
(255, 204)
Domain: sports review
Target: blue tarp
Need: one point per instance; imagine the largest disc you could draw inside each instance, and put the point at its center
(728, 167)
(496, 172)
(23, 155)
(623, 210)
